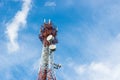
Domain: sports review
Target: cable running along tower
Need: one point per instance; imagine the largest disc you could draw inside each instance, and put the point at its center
(48, 38)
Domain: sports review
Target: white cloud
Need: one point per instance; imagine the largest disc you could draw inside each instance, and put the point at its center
(50, 4)
(98, 71)
(15, 24)
(31, 51)
(100, 50)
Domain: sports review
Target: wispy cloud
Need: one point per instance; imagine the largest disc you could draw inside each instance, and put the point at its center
(98, 44)
(98, 71)
(15, 24)
(19, 64)
(50, 4)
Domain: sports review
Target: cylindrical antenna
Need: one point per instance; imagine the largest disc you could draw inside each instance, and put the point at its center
(44, 20)
(49, 21)
(57, 28)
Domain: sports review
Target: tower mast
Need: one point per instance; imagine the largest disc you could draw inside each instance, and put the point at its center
(48, 38)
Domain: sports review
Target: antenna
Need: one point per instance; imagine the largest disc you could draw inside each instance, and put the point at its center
(44, 20)
(49, 21)
(57, 28)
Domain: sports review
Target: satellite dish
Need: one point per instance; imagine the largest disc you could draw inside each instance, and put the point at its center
(52, 47)
(50, 37)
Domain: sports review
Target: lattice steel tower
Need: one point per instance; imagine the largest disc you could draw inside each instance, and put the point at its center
(48, 38)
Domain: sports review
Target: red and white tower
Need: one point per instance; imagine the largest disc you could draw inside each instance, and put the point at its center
(48, 38)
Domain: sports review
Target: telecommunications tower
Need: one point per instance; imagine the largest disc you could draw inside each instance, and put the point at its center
(48, 38)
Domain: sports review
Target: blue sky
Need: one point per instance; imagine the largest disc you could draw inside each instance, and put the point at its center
(88, 34)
